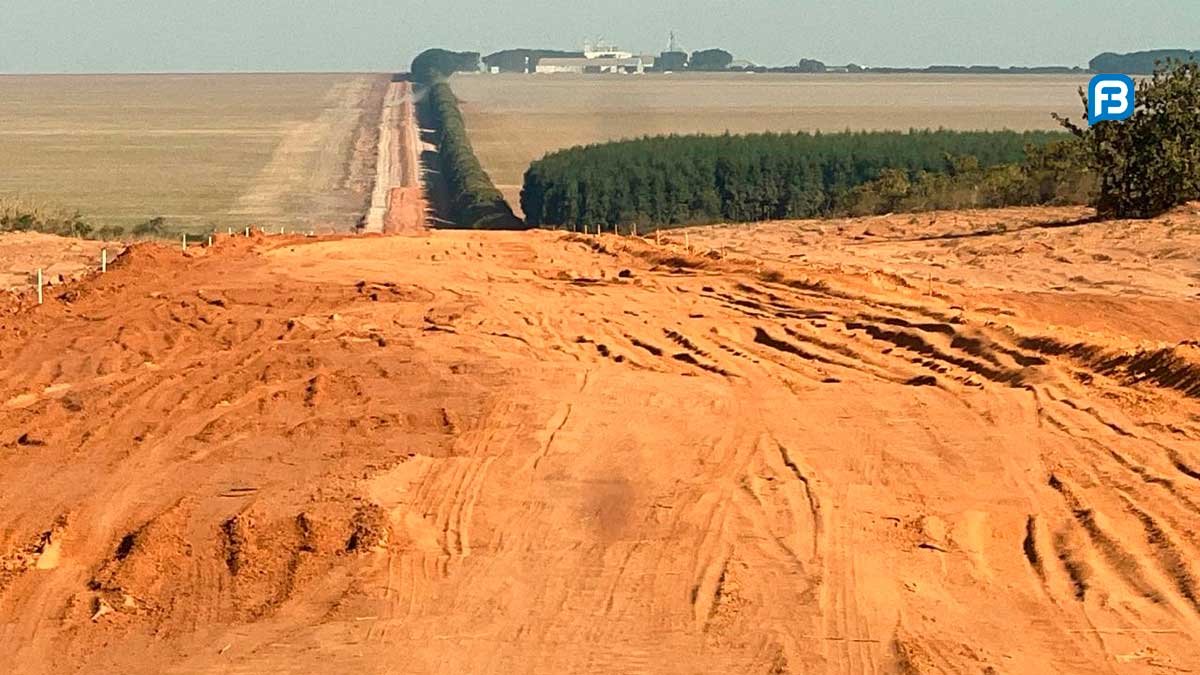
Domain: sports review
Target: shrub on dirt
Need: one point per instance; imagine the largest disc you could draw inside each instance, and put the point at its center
(21, 216)
(155, 227)
(110, 232)
(1150, 162)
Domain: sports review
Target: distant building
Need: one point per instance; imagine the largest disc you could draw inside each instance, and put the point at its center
(523, 60)
(604, 50)
(596, 65)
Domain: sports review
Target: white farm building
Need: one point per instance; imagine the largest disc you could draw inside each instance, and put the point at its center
(598, 57)
(599, 64)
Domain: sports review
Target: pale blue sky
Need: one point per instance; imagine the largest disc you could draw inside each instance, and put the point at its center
(212, 35)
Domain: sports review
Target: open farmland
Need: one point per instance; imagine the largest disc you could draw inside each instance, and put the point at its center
(198, 150)
(515, 119)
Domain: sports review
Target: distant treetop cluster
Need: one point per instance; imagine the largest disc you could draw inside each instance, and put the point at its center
(1139, 63)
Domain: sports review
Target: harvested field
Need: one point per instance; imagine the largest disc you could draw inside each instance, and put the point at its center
(955, 442)
(202, 151)
(515, 119)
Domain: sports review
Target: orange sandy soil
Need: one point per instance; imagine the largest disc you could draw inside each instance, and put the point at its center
(61, 259)
(905, 444)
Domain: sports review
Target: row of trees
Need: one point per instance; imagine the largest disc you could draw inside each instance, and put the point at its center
(442, 62)
(1138, 167)
(675, 180)
(474, 200)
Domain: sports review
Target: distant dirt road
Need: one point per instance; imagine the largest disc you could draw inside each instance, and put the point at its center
(398, 201)
(960, 442)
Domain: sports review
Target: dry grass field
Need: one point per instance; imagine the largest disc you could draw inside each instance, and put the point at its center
(515, 119)
(199, 150)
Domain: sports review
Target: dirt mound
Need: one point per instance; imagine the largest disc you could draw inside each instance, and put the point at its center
(61, 259)
(782, 448)
(243, 569)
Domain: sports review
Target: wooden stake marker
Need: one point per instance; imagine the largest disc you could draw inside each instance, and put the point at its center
(39, 286)
(103, 260)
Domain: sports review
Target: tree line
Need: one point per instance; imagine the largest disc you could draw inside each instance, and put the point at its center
(474, 200)
(1140, 63)
(1137, 168)
(440, 62)
(677, 180)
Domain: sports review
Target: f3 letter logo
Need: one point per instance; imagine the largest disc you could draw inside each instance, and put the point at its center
(1110, 97)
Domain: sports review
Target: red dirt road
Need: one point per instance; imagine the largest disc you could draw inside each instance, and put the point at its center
(544, 453)
(398, 203)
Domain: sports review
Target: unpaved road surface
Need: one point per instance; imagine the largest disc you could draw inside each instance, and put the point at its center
(398, 200)
(545, 453)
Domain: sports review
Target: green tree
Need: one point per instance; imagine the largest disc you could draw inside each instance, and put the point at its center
(1150, 162)
(810, 66)
(710, 59)
(894, 186)
(432, 65)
